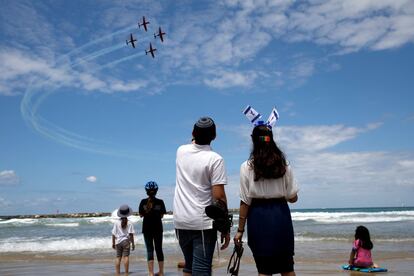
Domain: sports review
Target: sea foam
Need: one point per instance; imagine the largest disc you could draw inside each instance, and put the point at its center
(43, 244)
(353, 217)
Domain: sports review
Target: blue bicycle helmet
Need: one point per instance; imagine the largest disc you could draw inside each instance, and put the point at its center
(151, 186)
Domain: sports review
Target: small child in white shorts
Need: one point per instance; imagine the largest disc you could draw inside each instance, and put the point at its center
(122, 238)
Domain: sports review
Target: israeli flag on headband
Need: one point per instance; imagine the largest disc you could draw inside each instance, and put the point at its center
(274, 116)
(252, 114)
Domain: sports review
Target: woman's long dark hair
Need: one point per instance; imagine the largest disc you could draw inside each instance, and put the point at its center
(124, 222)
(362, 234)
(267, 160)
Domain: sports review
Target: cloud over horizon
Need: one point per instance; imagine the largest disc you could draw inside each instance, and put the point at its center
(9, 177)
(91, 179)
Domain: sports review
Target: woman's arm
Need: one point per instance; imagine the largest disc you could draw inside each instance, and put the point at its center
(141, 209)
(163, 209)
(131, 238)
(293, 199)
(243, 211)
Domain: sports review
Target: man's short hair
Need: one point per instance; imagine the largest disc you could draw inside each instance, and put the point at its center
(204, 131)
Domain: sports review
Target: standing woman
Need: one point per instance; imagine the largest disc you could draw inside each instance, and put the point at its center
(266, 185)
(152, 210)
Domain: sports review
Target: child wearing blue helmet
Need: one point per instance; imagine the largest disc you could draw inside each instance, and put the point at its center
(152, 210)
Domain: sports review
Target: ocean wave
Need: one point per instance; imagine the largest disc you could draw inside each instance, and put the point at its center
(319, 239)
(73, 224)
(99, 220)
(321, 217)
(353, 217)
(57, 244)
(300, 238)
(392, 240)
(349, 217)
(49, 245)
(17, 222)
(168, 217)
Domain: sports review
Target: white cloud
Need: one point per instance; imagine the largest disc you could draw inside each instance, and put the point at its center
(245, 28)
(309, 139)
(231, 79)
(18, 69)
(224, 36)
(352, 25)
(9, 177)
(310, 151)
(365, 170)
(91, 179)
(317, 138)
(121, 86)
(409, 164)
(301, 70)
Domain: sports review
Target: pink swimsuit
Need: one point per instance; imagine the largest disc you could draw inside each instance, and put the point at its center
(363, 256)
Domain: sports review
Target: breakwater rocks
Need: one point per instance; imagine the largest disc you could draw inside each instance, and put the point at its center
(69, 215)
(80, 215)
(73, 215)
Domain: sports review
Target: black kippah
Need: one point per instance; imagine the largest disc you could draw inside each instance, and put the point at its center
(205, 122)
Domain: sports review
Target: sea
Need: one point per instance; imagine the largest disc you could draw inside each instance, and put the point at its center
(93, 234)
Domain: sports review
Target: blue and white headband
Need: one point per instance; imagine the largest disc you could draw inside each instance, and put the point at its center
(253, 116)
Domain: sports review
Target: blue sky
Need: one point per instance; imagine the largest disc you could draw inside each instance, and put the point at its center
(86, 120)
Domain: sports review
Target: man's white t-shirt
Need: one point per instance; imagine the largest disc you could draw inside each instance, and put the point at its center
(120, 233)
(198, 168)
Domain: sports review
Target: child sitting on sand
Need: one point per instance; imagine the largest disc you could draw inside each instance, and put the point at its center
(122, 238)
(361, 250)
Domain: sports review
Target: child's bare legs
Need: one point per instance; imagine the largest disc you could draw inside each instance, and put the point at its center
(151, 268)
(126, 264)
(161, 268)
(118, 265)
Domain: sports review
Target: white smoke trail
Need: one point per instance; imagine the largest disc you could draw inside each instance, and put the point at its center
(99, 40)
(115, 62)
(97, 54)
(32, 100)
(105, 51)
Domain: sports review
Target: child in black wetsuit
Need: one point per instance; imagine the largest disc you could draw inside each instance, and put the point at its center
(152, 210)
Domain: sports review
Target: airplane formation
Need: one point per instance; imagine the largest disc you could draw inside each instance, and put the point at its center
(151, 50)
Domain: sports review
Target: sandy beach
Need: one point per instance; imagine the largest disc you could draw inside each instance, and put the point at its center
(311, 259)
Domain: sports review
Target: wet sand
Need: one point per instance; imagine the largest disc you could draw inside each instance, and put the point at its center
(311, 258)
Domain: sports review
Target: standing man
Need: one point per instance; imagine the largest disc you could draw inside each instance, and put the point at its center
(201, 177)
